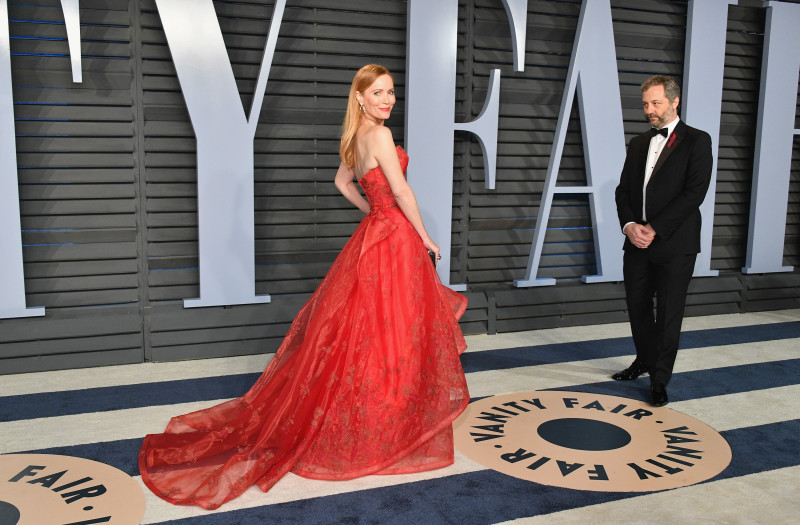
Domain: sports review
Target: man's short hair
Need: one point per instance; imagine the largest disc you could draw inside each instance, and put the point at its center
(671, 88)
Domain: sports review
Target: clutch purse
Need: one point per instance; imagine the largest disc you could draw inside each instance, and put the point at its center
(433, 257)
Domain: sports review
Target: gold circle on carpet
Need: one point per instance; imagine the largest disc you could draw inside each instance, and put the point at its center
(590, 441)
(41, 488)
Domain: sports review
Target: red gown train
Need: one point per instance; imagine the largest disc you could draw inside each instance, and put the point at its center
(367, 380)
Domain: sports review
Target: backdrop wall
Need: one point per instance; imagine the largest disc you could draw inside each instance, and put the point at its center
(107, 172)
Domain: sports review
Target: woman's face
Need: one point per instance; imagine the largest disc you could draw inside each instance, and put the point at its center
(378, 99)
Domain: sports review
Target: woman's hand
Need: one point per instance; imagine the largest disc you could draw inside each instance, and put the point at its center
(432, 247)
(344, 183)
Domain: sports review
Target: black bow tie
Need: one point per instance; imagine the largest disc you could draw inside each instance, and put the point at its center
(655, 131)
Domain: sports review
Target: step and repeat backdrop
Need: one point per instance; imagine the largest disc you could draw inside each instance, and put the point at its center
(150, 146)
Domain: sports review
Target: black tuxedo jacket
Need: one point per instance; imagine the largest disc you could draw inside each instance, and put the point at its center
(675, 191)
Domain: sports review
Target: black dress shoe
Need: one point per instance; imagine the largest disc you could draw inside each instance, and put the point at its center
(632, 372)
(658, 395)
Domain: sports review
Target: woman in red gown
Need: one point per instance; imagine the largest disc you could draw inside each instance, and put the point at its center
(368, 378)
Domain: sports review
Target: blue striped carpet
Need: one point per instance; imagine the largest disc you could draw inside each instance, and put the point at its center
(738, 373)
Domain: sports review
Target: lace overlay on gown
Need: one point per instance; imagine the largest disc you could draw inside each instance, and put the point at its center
(367, 380)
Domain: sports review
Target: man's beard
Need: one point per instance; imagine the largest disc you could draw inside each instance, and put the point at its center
(662, 120)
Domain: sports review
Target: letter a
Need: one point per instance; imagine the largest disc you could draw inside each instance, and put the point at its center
(594, 66)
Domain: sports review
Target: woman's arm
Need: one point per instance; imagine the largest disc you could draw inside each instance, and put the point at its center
(345, 184)
(382, 146)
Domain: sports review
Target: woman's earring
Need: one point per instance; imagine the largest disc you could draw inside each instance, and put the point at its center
(362, 108)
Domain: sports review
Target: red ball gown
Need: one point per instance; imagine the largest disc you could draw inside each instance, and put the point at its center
(367, 380)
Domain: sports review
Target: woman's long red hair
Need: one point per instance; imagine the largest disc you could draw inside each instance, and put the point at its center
(363, 79)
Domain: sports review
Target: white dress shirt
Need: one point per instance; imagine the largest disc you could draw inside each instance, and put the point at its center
(656, 145)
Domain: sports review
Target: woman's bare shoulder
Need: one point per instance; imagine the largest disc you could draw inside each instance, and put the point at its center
(381, 141)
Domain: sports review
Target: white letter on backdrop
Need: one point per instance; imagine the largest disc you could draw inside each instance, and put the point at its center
(702, 98)
(593, 74)
(430, 112)
(774, 138)
(12, 277)
(225, 165)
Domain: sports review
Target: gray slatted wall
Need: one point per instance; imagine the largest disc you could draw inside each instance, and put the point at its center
(77, 189)
(107, 172)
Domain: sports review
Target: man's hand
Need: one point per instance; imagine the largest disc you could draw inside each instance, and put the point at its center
(640, 235)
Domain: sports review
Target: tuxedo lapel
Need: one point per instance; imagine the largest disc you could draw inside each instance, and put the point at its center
(641, 156)
(673, 141)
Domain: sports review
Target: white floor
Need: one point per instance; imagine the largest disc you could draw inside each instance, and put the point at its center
(765, 497)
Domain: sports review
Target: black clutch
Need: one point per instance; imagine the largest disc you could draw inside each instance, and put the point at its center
(433, 257)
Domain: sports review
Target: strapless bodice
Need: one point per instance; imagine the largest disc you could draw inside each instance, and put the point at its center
(379, 193)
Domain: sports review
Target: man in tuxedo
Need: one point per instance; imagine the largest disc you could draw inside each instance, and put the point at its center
(664, 180)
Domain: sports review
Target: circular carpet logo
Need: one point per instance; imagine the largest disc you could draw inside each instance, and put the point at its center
(590, 441)
(43, 488)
